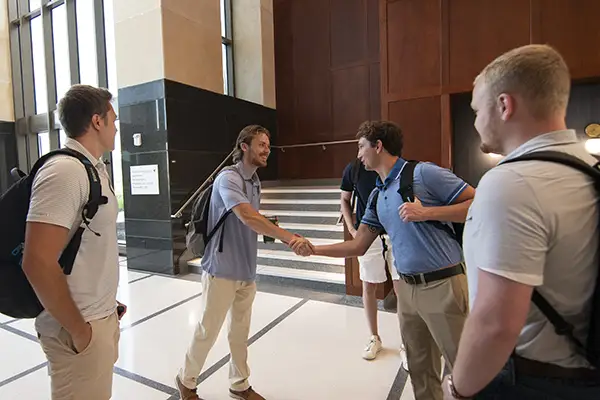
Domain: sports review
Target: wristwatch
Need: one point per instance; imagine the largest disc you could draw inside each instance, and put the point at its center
(453, 391)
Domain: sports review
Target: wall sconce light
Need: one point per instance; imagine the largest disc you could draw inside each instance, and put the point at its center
(592, 145)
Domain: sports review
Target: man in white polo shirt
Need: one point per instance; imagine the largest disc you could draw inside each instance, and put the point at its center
(79, 328)
(532, 225)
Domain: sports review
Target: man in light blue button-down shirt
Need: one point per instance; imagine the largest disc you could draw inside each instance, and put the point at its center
(432, 290)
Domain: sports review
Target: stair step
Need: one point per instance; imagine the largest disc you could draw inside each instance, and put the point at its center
(301, 189)
(306, 265)
(278, 245)
(312, 227)
(294, 213)
(300, 201)
(329, 277)
(316, 280)
(302, 195)
(276, 207)
(288, 255)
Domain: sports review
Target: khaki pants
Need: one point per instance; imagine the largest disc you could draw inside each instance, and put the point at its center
(86, 375)
(431, 320)
(220, 296)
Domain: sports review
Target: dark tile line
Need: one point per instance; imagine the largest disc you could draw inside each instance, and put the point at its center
(223, 361)
(19, 332)
(145, 381)
(398, 385)
(164, 310)
(119, 371)
(140, 279)
(127, 374)
(22, 374)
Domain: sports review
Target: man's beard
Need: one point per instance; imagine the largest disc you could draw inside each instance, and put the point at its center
(486, 148)
(258, 162)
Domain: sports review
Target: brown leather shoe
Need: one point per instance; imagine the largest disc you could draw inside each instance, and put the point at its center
(184, 392)
(248, 394)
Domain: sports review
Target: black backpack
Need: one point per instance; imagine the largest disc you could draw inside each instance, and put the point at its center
(354, 177)
(453, 229)
(591, 349)
(17, 297)
(197, 236)
(406, 190)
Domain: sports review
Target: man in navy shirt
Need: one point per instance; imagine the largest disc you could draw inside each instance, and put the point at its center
(432, 295)
(357, 185)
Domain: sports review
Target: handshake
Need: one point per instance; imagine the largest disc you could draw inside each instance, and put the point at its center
(301, 246)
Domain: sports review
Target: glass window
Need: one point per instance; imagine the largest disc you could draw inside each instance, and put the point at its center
(111, 54)
(62, 67)
(223, 23)
(86, 40)
(34, 4)
(225, 69)
(39, 67)
(43, 143)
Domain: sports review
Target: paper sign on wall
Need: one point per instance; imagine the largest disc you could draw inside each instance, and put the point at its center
(144, 180)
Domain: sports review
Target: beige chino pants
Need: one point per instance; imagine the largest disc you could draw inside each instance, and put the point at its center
(87, 375)
(432, 317)
(219, 297)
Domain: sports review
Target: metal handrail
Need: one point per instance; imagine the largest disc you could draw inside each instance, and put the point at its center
(179, 212)
(314, 144)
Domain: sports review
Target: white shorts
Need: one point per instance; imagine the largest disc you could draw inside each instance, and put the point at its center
(372, 264)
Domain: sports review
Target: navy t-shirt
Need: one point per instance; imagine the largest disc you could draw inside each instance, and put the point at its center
(365, 185)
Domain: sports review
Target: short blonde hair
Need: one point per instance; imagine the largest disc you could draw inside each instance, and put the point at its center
(536, 72)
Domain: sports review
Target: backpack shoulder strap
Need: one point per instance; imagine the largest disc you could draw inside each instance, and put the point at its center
(95, 198)
(406, 189)
(561, 326)
(226, 214)
(354, 177)
(560, 158)
(407, 192)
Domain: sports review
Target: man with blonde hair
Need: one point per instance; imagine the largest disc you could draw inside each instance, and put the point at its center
(531, 234)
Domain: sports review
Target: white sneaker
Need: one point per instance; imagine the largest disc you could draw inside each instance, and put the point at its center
(403, 360)
(373, 348)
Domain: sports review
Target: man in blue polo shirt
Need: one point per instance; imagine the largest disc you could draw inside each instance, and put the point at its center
(228, 282)
(432, 290)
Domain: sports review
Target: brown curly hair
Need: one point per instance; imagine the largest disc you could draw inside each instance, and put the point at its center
(389, 133)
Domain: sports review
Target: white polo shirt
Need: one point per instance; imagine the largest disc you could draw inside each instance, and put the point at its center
(59, 192)
(536, 223)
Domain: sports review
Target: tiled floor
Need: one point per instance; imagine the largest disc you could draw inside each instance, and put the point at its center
(299, 348)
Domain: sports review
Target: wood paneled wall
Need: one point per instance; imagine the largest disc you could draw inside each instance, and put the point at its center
(327, 80)
(433, 48)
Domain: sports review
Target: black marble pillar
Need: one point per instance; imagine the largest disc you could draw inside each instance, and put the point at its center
(187, 132)
(8, 154)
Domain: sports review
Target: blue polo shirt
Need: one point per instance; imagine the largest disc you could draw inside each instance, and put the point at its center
(237, 262)
(418, 247)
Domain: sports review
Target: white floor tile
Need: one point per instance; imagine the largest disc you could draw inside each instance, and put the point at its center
(156, 348)
(408, 393)
(17, 354)
(36, 386)
(295, 273)
(25, 325)
(5, 318)
(126, 275)
(150, 295)
(316, 354)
